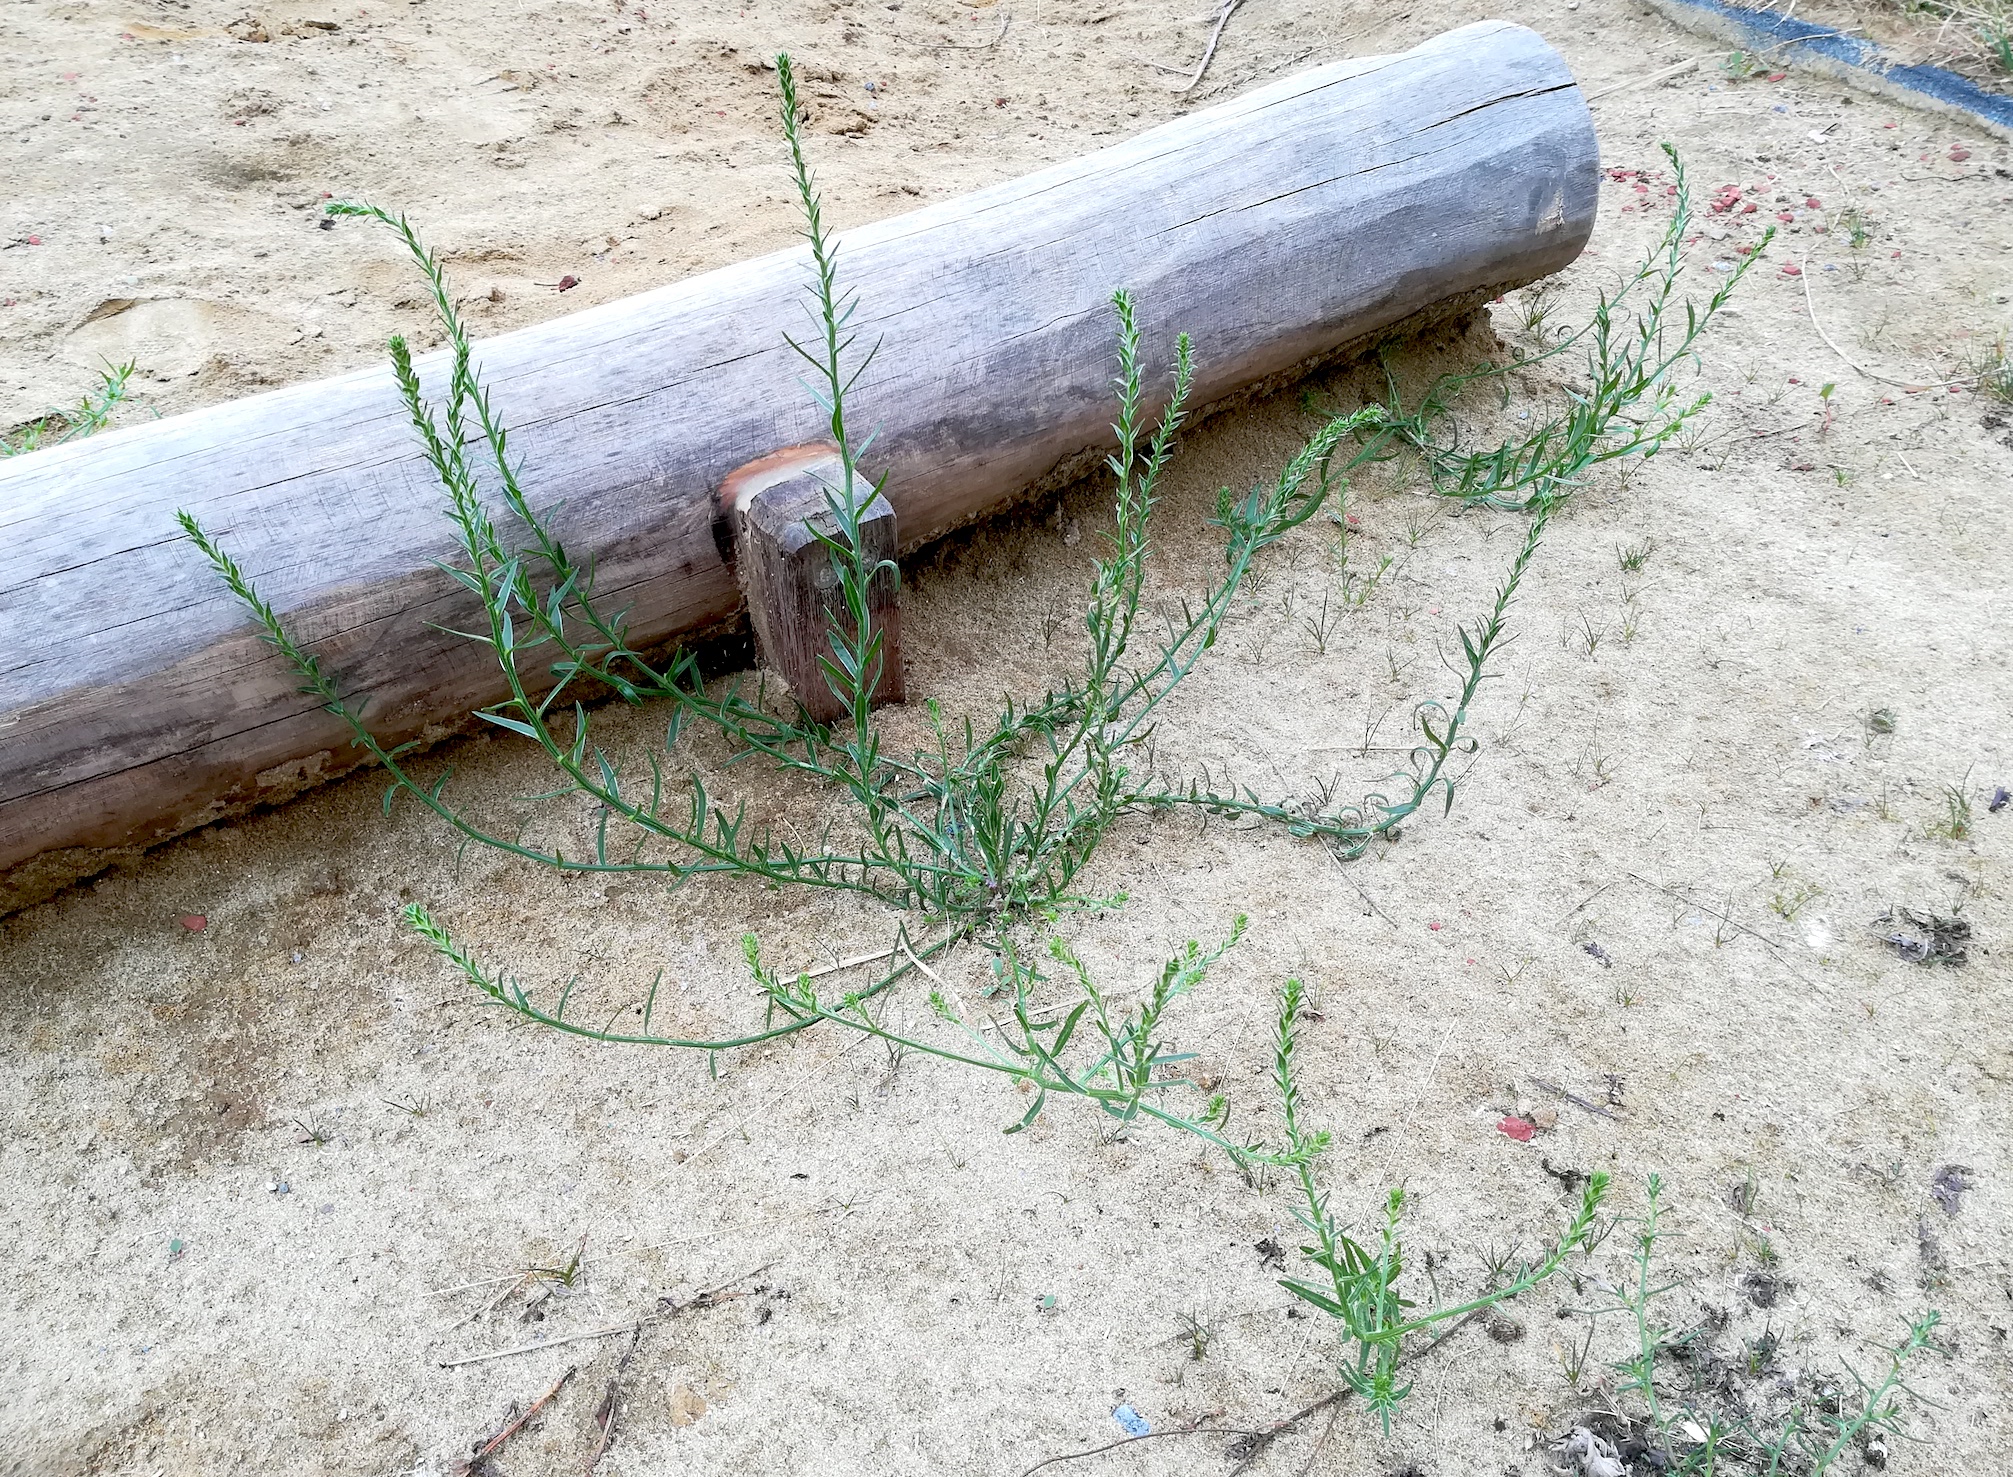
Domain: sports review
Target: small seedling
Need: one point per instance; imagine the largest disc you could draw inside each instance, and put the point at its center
(92, 413)
(1794, 899)
(1955, 824)
(1572, 1356)
(1858, 227)
(1738, 66)
(1588, 637)
(567, 1276)
(1197, 1331)
(1536, 304)
(1993, 373)
(1634, 556)
(1320, 625)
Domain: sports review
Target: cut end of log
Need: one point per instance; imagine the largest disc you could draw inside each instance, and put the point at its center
(777, 506)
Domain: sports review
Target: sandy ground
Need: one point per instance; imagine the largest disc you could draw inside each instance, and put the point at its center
(198, 1286)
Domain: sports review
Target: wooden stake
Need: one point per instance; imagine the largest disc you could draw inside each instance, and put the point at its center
(775, 504)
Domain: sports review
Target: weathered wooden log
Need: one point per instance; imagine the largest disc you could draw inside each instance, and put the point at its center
(1279, 228)
(775, 504)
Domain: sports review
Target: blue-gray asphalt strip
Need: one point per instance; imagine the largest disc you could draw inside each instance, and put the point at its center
(1788, 40)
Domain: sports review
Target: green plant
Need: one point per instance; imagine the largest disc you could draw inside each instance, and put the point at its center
(1320, 625)
(1858, 227)
(1198, 1331)
(1955, 824)
(1692, 1436)
(1359, 1285)
(1535, 305)
(1738, 66)
(566, 1276)
(1993, 22)
(1631, 617)
(1588, 637)
(1992, 372)
(1634, 556)
(1794, 900)
(989, 830)
(92, 412)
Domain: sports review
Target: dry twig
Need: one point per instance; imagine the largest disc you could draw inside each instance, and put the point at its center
(1209, 52)
(473, 1466)
(1006, 20)
(1810, 305)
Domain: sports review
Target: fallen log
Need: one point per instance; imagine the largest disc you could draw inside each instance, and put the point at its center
(1281, 228)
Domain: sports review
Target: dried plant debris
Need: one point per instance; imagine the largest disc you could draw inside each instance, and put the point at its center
(1947, 1187)
(1583, 1454)
(1924, 938)
(1935, 1265)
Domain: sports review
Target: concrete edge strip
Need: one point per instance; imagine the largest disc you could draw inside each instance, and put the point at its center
(1861, 64)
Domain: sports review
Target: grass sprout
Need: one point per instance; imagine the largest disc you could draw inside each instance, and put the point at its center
(92, 413)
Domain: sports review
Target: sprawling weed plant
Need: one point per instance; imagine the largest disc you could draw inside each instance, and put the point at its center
(993, 826)
(989, 829)
(984, 834)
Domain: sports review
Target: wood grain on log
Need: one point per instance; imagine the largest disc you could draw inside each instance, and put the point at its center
(1277, 228)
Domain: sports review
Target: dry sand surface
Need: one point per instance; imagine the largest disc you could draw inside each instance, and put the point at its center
(1672, 762)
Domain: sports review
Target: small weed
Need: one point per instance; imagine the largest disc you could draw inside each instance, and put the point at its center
(1320, 625)
(1358, 1288)
(1572, 1356)
(1738, 66)
(1587, 639)
(567, 1276)
(1789, 903)
(417, 1108)
(1756, 1243)
(1198, 1331)
(316, 1131)
(1595, 766)
(1993, 372)
(92, 412)
(1955, 823)
(1858, 227)
(1633, 557)
(1761, 1353)
(1535, 305)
